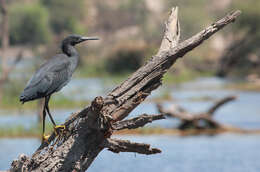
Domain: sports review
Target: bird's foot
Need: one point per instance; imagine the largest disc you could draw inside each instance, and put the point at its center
(45, 138)
(59, 129)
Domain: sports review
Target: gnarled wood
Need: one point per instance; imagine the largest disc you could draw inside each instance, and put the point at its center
(86, 131)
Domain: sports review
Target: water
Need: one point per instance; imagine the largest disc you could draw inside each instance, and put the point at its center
(195, 96)
(225, 153)
(30, 118)
(10, 149)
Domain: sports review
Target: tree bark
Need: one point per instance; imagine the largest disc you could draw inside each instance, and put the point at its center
(88, 131)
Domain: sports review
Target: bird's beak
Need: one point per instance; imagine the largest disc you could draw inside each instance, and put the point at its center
(88, 38)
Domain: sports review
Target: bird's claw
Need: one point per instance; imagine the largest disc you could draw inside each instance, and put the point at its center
(58, 129)
(45, 138)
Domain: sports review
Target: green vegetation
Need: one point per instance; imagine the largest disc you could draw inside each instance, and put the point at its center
(136, 7)
(21, 131)
(117, 54)
(12, 102)
(124, 59)
(11, 99)
(35, 23)
(65, 15)
(184, 76)
(126, 13)
(36, 131)
(244, 86)
(29, 24)
(250, 20)
(249, 27)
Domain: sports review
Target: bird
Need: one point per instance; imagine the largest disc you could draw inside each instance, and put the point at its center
(52, 76)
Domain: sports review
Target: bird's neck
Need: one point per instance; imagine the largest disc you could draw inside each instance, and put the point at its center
(69, 50)
(73, 55)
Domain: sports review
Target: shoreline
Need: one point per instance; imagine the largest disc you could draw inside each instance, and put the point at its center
(152, 131)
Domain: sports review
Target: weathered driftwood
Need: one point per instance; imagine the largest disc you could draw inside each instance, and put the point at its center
(201, 121)
(88, 131)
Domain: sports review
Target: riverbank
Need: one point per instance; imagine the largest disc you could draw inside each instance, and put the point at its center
(36, 131)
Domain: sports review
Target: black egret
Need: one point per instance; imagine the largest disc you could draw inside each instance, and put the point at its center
(53, 75)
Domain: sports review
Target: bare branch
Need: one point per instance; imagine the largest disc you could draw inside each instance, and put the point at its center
(219, 103)
(137, 122)
(172, 31)
(137, 87)
(116, 146)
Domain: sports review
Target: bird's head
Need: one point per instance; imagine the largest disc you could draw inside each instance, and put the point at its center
(76, 39)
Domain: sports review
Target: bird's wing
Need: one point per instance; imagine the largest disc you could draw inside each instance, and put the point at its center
(48, 78)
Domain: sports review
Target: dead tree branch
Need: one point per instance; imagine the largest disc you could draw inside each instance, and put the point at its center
(199, 121)
(86, 131)
(116, 146)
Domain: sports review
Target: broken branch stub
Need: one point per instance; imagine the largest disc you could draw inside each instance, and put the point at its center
(86, 130)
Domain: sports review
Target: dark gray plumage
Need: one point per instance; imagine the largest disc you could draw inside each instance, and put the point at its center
(54, 74)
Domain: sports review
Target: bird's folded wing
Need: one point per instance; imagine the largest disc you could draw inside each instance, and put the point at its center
(48, 78)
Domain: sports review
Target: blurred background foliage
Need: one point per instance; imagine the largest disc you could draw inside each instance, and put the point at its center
(65, 15)
(130, 32)
(29, 24)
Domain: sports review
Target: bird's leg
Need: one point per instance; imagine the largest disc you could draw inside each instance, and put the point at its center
(44, 137)
(57, 128)
(46, 105)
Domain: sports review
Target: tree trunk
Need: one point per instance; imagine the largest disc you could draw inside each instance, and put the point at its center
(88, 131)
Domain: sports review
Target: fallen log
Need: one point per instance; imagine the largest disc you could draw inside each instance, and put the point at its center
(200, 121)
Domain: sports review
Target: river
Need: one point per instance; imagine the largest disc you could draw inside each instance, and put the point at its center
(225, 152)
